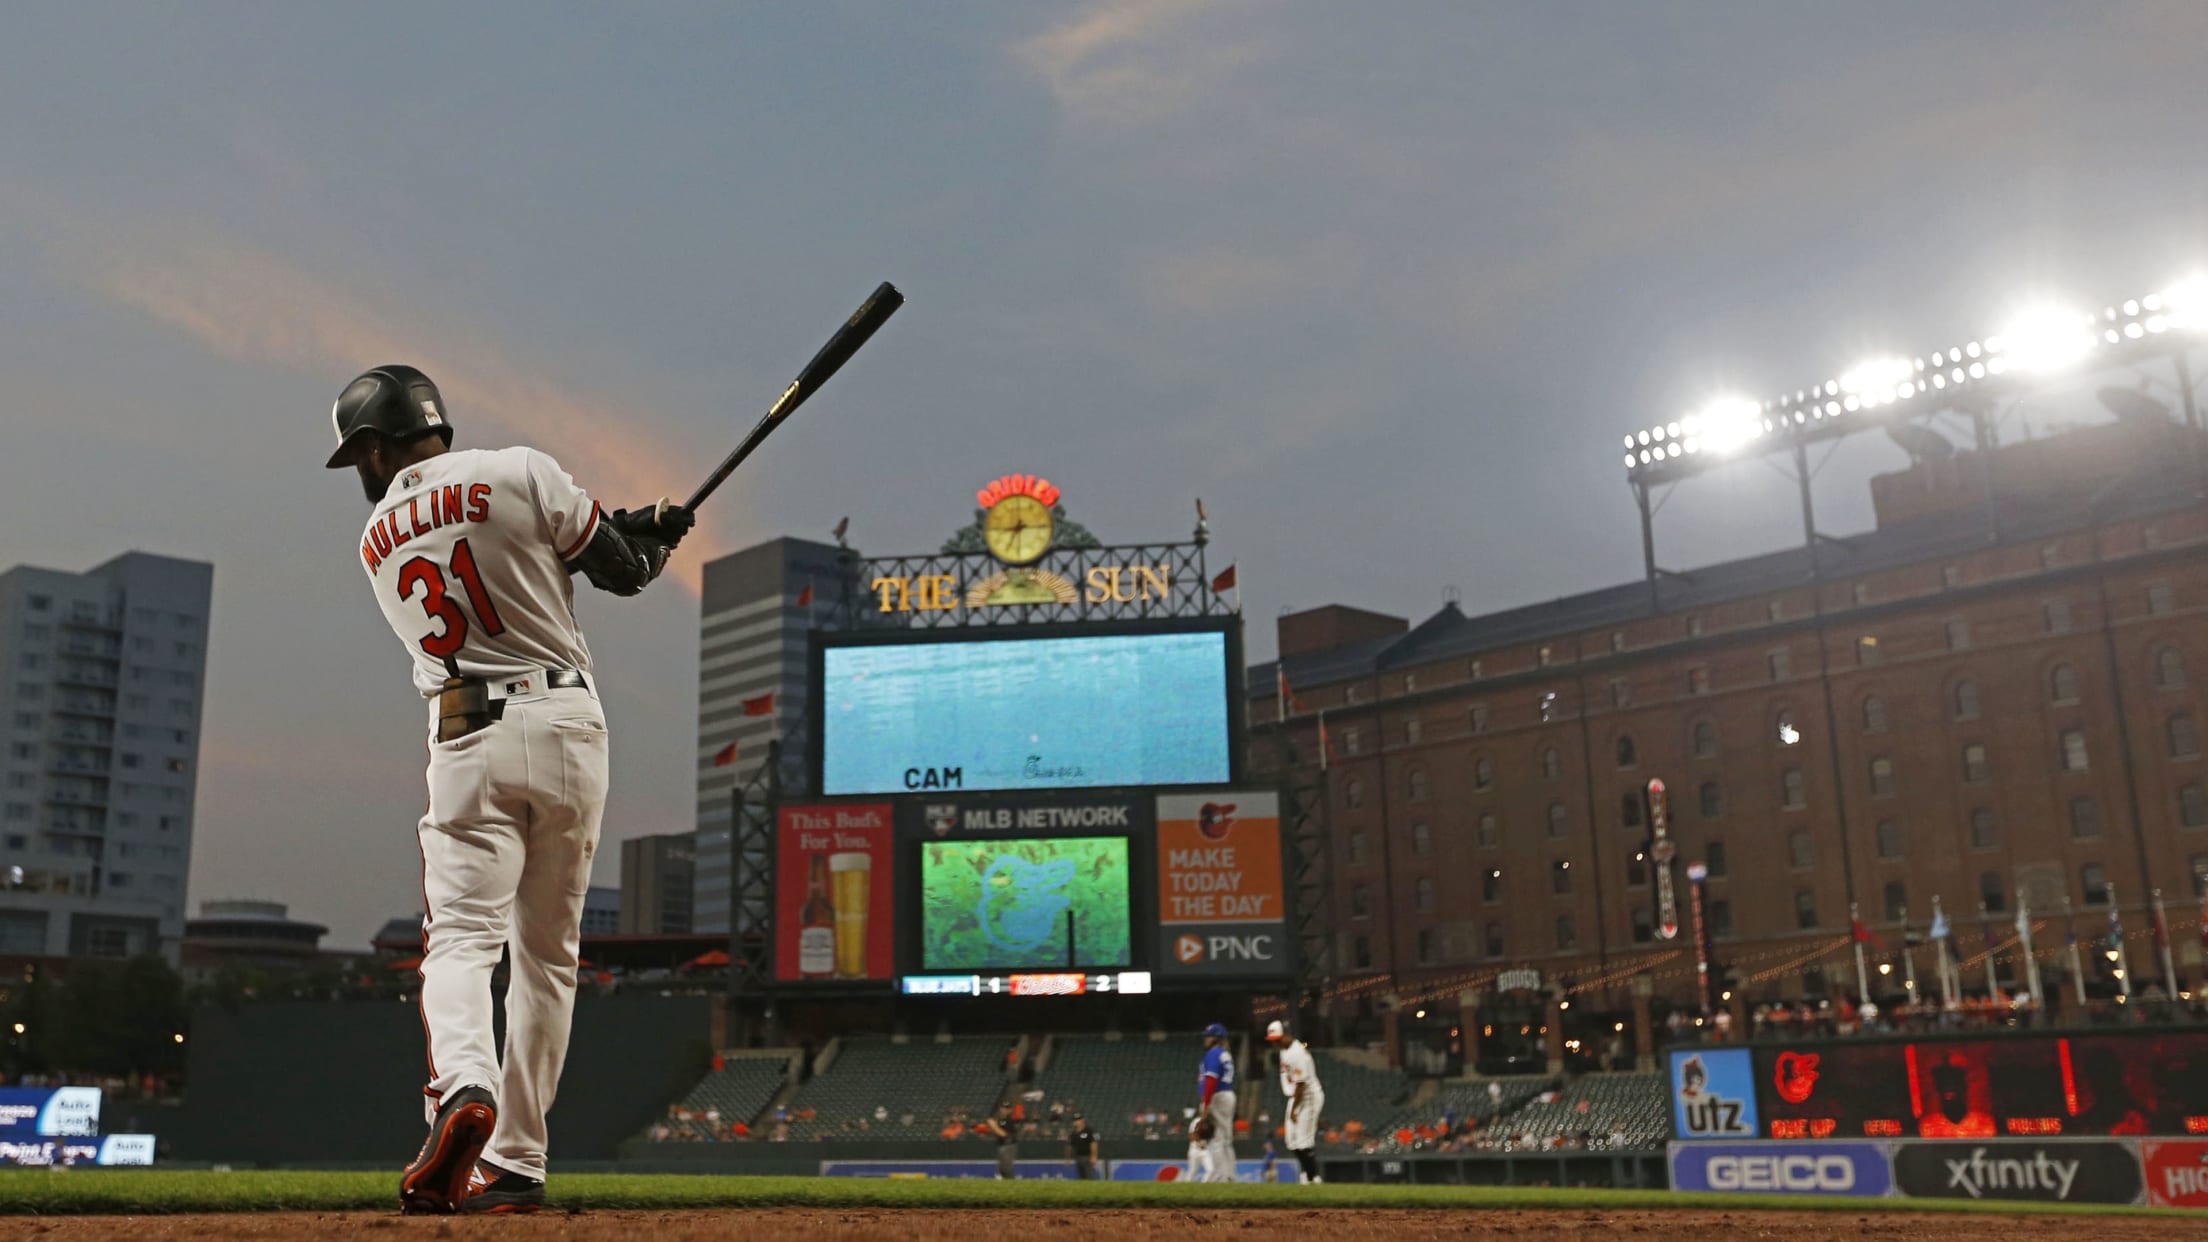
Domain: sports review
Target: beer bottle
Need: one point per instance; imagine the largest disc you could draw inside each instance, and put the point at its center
(816, 925)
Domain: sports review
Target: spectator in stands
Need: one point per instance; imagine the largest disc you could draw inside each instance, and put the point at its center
(1084, 1147)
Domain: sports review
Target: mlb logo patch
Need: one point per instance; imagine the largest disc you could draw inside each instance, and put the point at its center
(517, 687)
(941, 817)
(430, 414)
(413, 479)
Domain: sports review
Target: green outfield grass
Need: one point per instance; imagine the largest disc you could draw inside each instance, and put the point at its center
(147, 1191)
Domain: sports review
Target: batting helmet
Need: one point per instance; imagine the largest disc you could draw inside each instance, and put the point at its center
(396, 401)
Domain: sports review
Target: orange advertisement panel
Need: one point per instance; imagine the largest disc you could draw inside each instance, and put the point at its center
(1219, 858)
(833, 894)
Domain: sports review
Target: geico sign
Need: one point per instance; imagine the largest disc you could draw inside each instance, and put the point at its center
(1798, 1172)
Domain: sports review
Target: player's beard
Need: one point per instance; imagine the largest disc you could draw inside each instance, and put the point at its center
(376, 486)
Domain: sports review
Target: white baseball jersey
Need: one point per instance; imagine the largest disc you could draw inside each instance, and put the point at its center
(468, 555)
(1297, 1065)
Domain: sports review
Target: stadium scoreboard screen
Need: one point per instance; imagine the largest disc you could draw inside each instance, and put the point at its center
(1112, 706)
(1073, 893)
(2016, 1087)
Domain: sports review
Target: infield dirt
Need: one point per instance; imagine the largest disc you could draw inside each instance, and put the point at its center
(850, 1224)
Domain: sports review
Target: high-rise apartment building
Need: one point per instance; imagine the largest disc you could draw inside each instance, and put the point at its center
(101, 678)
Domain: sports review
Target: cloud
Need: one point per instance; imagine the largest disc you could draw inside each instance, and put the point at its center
(1139, 61)
(254, 307)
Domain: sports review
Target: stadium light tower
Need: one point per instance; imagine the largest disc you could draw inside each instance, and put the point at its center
(2038, 341)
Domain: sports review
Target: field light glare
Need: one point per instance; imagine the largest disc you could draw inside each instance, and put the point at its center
(1877, 380)
(2046, 338)
(1726, 424)
(2186, 303)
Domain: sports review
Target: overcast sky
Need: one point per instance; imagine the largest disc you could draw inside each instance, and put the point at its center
(1383, 283)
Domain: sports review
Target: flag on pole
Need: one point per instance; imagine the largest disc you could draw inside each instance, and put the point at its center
(1862, 934)
(1223, 581)
(724, 756)
(2115, 925)
(1939, 923)
(760, 705)
(805, 597)
(1286, 701)
(1323, 747)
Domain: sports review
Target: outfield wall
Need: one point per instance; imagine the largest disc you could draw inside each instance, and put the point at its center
(334, 1083)
(2156, 1172)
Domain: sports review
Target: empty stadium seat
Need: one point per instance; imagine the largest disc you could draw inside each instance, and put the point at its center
(879, 1089)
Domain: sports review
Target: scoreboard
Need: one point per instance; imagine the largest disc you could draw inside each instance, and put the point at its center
(2021, 1086)
(1069, 893)
(1098, 706)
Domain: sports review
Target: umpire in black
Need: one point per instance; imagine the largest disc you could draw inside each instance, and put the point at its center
(1082, 1142)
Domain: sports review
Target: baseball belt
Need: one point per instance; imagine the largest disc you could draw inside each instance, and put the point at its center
(465, 704)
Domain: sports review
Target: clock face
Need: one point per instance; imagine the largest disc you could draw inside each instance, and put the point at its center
(1018, 530)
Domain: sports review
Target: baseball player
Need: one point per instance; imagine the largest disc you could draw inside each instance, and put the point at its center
(1299, 1081)
(1199, 1149)
(1218, 1091)
(469, 554)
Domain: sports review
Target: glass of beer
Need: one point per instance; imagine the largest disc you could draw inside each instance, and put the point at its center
(850, 876)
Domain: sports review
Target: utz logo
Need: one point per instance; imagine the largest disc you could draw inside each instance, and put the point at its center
(1712, 1096)
(941, 817)
(1794, 1076)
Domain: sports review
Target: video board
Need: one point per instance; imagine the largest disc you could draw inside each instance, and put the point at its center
(2025, 1086)
(1099, 707)
(1024, 902)
(1070, 893)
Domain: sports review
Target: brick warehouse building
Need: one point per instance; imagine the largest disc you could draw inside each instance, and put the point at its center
(1977, 698)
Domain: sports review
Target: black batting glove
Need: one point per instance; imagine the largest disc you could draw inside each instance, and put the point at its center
(667, 526)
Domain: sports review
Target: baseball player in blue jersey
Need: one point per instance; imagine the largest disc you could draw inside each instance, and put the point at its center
(1218, 1090)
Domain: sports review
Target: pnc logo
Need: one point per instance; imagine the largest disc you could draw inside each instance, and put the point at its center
(1189, 949)
(1795, 1076)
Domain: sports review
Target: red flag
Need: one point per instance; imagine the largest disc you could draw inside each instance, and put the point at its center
(762, 705)
(1223, 581)
(1862, 933)
(805, 597)
(724, 756)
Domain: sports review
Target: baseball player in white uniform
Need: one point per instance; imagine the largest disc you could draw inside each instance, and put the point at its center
(469, 554)
(1299, 1081)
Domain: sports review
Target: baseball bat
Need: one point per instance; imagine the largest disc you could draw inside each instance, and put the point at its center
(864, 322)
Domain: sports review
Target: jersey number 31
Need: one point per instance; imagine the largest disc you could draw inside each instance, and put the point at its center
(442, 607)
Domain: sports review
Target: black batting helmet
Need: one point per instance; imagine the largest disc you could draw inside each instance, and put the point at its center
(396, 401)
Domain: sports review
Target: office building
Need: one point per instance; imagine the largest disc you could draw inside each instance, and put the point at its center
(658, 874)
(101, 678)
(757, 609)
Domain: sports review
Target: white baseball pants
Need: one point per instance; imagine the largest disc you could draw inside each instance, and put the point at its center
(1222, 1137)
(506, 850)
(1303, 1120)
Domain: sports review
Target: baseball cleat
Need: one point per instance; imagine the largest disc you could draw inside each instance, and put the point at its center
(507, 1192)
(437, 1181)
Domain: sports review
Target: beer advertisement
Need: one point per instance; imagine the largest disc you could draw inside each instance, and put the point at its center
(833, 894)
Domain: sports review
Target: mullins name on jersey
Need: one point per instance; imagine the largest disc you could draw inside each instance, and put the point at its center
(435, 508)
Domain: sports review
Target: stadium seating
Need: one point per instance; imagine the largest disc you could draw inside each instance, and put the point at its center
(1457, 1102)
(1112, 1082)
(1354, 1091)
(1599, 1107)
(879, 1089)
(724, 1099)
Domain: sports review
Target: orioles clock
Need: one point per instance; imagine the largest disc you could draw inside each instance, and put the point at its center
(1017, 521)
